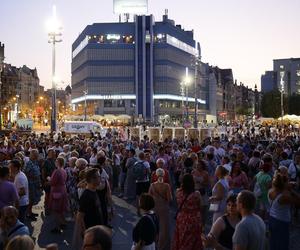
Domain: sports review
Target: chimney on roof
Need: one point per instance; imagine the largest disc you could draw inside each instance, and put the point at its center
(166, 16)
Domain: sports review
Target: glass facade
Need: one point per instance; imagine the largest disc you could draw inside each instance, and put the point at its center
(140, 62)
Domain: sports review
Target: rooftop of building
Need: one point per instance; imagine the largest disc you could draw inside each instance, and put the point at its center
(288, 59)
(125, 28)
(11, 70)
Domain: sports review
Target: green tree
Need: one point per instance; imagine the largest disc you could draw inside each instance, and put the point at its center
(294, 104)
(242, 110)
(271, 104)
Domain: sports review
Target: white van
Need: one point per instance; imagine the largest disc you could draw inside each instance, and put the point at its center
(82, 127)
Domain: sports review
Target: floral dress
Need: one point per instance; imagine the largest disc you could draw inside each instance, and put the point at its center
(71, 185)
(33, 173)
(187, 234)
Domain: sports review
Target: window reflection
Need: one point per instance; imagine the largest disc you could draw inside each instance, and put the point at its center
(111, 39)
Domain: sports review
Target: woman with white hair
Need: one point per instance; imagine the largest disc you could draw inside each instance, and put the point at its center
(81, 164)
(162, 195)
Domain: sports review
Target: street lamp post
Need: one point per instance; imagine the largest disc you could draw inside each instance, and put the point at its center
(1, 65)
(186, 82)
(54, 37)
(281, 94)
(195, 87)
(17, 115)
(182, 100)
(85, 94)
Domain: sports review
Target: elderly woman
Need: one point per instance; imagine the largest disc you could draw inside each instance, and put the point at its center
(160, 164)
(81, 164)
(161, 192)
(32, 171)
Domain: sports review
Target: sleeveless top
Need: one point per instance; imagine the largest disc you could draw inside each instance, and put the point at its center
(225, 238)
(279, 211)
(222, 203)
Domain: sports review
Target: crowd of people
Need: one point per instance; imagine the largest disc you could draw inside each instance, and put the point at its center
(239, 190)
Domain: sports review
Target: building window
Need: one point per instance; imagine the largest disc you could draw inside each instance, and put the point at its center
(160, 38)
(120, 103)
(108, 103)
(111, 38)
(132, 103)
(128, 39)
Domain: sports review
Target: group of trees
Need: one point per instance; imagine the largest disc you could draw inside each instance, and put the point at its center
(271, 104)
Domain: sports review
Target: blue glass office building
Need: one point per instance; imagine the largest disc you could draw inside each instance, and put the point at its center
(135, 68)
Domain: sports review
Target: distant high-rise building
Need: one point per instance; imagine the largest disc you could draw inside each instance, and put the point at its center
(291, 74)
(136, 68)
(290, 70)
(268, 81)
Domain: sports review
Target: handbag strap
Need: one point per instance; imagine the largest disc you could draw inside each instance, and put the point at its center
(181, 205)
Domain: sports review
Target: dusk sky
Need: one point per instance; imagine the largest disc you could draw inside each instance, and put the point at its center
(245, 35)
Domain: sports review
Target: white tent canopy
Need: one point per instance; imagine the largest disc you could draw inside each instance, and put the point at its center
(291, 117)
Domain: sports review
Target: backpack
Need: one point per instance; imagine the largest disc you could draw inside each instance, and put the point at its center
(139, 171)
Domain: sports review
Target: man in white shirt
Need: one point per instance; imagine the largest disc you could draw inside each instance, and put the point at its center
(21, 184)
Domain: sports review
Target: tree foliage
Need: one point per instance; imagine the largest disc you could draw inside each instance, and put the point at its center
(294, 104)
(271, 104)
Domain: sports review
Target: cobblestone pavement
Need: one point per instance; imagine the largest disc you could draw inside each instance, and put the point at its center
(124, 220)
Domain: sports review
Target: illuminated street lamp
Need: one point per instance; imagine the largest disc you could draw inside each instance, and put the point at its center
(281, 94)
(85, 94)
(17, 115)
(1, 69)
(186, 82)
(54, 34)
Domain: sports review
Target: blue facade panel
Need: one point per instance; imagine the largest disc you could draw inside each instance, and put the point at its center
(144, 48)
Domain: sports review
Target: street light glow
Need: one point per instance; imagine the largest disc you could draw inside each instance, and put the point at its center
(56, 79)
(187, 79)
(53, 25)
(54, 33)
